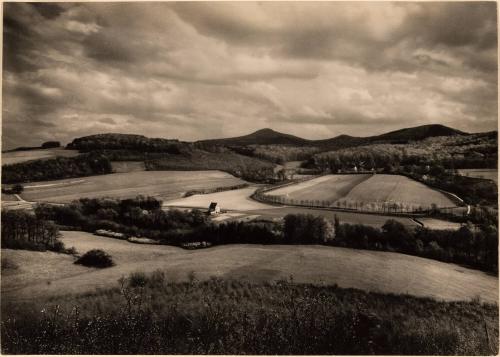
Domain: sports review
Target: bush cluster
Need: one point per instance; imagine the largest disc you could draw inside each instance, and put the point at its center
(96, 258)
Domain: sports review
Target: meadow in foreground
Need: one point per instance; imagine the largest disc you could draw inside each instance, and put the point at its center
(146, 315)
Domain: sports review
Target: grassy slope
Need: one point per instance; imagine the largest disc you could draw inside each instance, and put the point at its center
(203, 160)
(128, 166)
(329, 188)
(368, 270)
(234, 317)
(400, 189)
(14, 157)
(162, 184)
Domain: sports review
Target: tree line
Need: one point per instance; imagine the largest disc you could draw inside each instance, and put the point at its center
(23, 230)
(56, 168)
(471, 245)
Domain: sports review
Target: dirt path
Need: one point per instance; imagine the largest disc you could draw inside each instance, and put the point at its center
(48, 274)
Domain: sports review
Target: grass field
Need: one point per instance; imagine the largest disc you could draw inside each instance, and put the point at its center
(328, 188)
(52, 274)
(366, 191)
(230, 317)
(489, 174)
(161, 184)
(397, 189)
(439, 224)
(15, 157)
(373, 220)
(128, 166)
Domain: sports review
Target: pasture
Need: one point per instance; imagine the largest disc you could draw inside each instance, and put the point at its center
(397, 189)
(327, 188)
(15, 157)
(364, 191)
(128, 166)
(160, 184)
(52, 274)
(489, 174)
(438, 224)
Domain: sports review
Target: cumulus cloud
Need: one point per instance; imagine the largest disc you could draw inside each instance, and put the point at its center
(194, 70)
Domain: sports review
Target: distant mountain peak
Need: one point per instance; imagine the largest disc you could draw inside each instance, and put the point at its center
(265, 131)
(265, 136)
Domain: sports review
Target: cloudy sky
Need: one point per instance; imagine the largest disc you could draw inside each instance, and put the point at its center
(204, 70)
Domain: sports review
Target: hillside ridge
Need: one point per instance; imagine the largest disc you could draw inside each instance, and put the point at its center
(269, 136)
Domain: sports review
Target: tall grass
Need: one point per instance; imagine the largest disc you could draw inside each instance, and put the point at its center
(148, 315)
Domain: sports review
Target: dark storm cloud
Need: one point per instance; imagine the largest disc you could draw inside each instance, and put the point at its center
(48, 10)
(108, 47)
(454, 24)
(199, 69)
(447, 26)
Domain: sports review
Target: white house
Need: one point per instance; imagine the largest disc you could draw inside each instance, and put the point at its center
(214, 208)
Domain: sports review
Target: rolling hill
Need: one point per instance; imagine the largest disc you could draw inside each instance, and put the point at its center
(417, 133)
(261, 137)
(271, 137)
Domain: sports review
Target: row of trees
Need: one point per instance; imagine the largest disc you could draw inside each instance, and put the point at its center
(378, 207)
(474, 246)
(56, 168)
(22, 230)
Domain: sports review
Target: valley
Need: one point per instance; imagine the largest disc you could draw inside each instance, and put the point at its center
(349, 214)
(371, 271)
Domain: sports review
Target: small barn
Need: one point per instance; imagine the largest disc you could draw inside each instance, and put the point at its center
(214, 208)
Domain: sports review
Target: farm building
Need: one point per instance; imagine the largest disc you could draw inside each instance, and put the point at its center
(214, 208)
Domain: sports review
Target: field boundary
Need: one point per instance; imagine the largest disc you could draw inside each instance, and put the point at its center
(215, 189)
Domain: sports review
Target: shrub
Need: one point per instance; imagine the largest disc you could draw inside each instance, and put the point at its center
(137, 279)
(96, 258)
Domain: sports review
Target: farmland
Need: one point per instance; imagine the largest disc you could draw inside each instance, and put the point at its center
(398, 189)
(364, 191)
(368, 270)
(328, 188)
(160, 184)
(14, 157)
